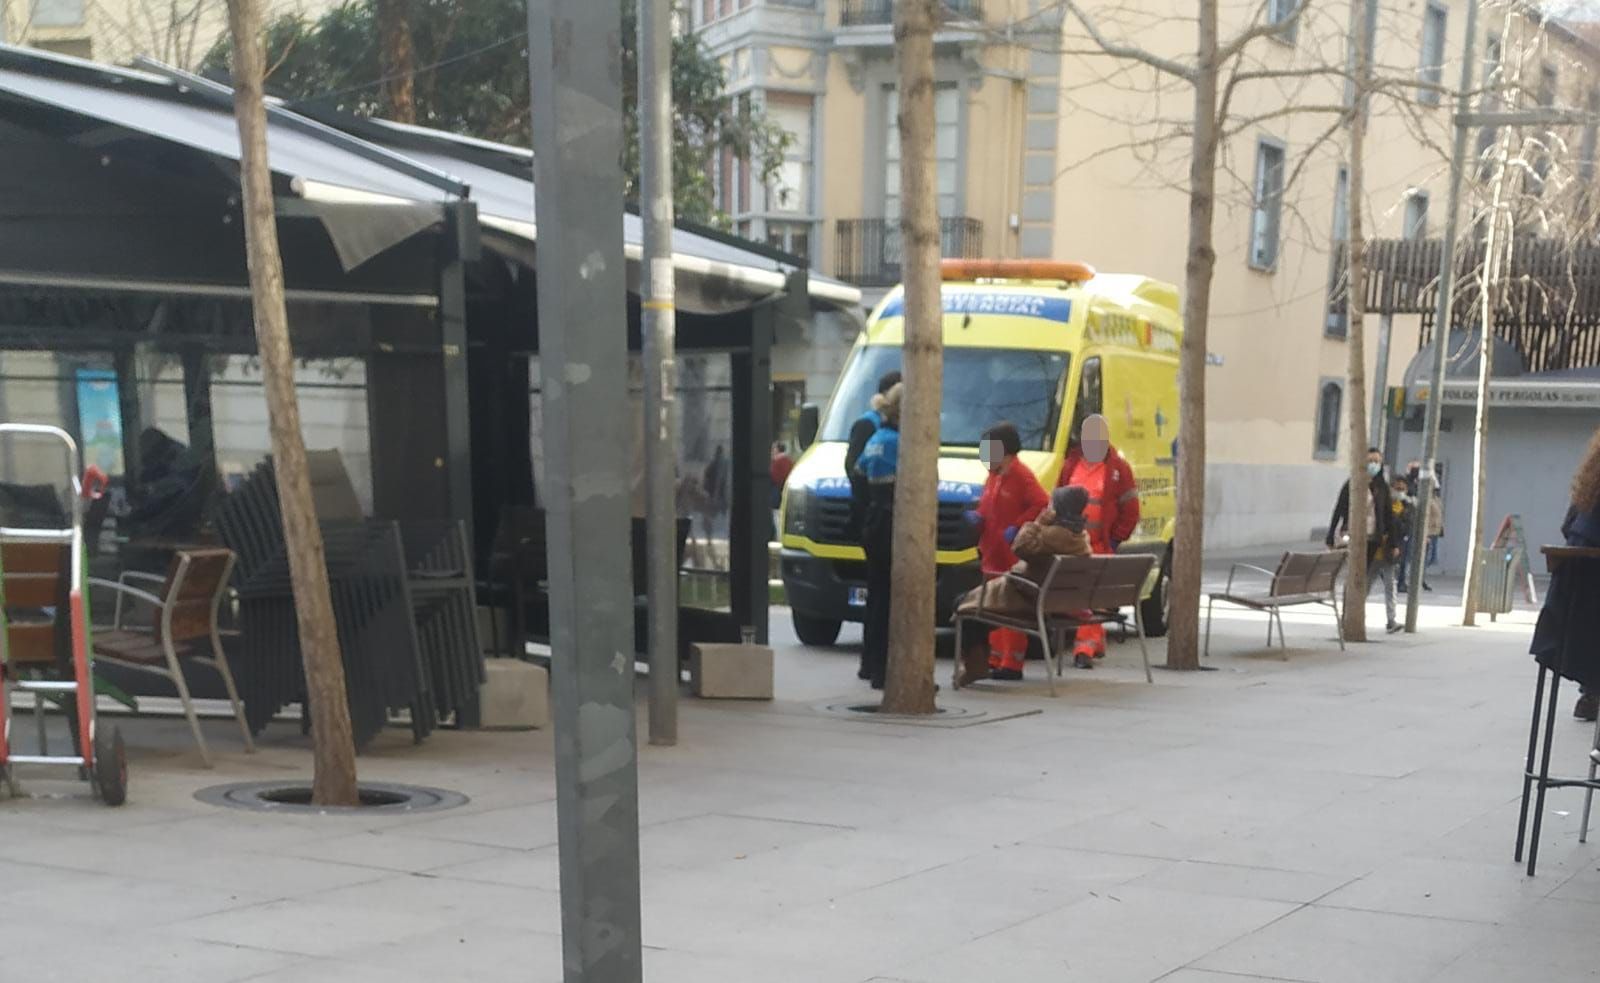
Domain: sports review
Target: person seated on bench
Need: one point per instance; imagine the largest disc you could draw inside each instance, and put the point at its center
(1057, 531)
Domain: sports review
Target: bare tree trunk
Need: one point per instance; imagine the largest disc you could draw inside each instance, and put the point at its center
(1480, 435)
(909, 687)
(1355, 585)
(333, 747)
(397, 58)
(1183, 634)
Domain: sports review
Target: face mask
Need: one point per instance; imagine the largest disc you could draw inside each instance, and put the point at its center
(991, 453)
(1373, 468)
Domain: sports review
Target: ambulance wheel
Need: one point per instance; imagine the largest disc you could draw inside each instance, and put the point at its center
(1155, 607)
(110, 767)
(816, 631)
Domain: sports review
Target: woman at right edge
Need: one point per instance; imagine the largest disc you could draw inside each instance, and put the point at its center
(1581, 528)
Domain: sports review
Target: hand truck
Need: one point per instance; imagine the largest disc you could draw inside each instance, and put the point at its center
(100, 758)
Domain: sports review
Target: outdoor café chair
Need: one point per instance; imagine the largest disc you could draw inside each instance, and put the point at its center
(182, 627)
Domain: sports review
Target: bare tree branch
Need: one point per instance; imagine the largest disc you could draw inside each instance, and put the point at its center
(1128, 52)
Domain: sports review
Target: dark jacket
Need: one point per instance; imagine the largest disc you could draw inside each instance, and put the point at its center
(1383, 535)
(860, 432)
(1567, 638)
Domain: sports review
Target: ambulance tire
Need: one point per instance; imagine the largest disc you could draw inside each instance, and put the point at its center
(815, 631)
(1154, 608)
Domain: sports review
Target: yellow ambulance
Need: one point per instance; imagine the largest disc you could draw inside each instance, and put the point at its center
(1041, 344)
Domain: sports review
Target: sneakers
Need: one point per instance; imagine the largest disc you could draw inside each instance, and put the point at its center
(1588, 707)
(1393, 627)
(1007, 675)
(1426, 585)
(1081, 661)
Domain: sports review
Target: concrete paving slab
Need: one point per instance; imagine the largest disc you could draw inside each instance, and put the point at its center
(1333, 945)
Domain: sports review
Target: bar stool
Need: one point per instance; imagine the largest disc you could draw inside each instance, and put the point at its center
(1555, 556)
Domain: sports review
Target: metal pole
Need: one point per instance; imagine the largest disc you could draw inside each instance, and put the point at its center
(576, 78)
(1380, 386)
(1441, 322)
(659, 337)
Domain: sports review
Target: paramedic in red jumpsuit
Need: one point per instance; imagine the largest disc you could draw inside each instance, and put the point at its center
(1111, 516)
(1011, 497)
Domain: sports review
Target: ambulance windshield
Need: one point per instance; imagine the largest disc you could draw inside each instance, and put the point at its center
(982, 386)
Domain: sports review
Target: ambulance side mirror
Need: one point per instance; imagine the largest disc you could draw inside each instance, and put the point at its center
(810, 417)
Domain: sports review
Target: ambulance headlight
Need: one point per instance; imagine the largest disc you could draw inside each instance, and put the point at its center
(797, 510)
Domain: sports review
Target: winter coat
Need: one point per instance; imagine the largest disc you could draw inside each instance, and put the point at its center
(1435, 517)
(1381, 533)
(1012, 496)
(1568, 641)
(1117, 501)
(1036, 545)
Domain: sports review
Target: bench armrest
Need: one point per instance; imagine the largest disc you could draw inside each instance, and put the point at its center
(1234, 570)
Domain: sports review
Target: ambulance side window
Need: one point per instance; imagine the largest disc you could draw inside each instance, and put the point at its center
(1090, 392)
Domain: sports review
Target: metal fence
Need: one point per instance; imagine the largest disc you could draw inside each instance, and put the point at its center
(870, 252)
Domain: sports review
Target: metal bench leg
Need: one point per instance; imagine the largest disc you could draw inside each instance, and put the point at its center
(1283, 642)
(1051, 667)
(1527, 771)
(1338, 622)
(39, 721)
(1144, 651)
(955, 674)
(1206, 652)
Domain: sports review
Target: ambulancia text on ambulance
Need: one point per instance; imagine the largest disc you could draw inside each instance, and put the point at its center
(1041, 344)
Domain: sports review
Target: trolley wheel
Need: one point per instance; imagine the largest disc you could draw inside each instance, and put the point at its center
(110, 772)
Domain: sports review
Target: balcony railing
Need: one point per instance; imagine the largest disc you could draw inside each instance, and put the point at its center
(871, 13)
(869, 252)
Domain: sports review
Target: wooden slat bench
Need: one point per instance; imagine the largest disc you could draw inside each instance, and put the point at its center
(1301, 578)
(1078, 591)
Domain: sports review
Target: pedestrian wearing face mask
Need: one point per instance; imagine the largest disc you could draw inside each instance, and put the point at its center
(1382, 538)
(1111, 516)
(1012, 496)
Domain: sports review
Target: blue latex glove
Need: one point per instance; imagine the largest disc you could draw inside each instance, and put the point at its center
(1011, 533)
(1114, 545)
(974, 519)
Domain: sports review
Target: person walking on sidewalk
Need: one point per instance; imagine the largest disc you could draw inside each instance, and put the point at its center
(1381, 535)
(1111, 516)
(877, 467)
(1011, 496)
(1580, 661)
(1435, 528)
(1404, 508)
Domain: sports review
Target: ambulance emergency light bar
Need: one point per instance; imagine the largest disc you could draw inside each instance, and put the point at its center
(1014, 269)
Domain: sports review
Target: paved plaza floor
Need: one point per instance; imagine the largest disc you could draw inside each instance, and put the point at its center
(1323, 817)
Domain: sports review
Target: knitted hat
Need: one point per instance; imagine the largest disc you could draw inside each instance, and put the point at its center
(1068, 504)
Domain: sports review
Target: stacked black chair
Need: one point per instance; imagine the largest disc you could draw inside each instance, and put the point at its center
(401, 653)
(445, 610)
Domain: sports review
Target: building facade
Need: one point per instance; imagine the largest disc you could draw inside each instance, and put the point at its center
(1046, 149)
